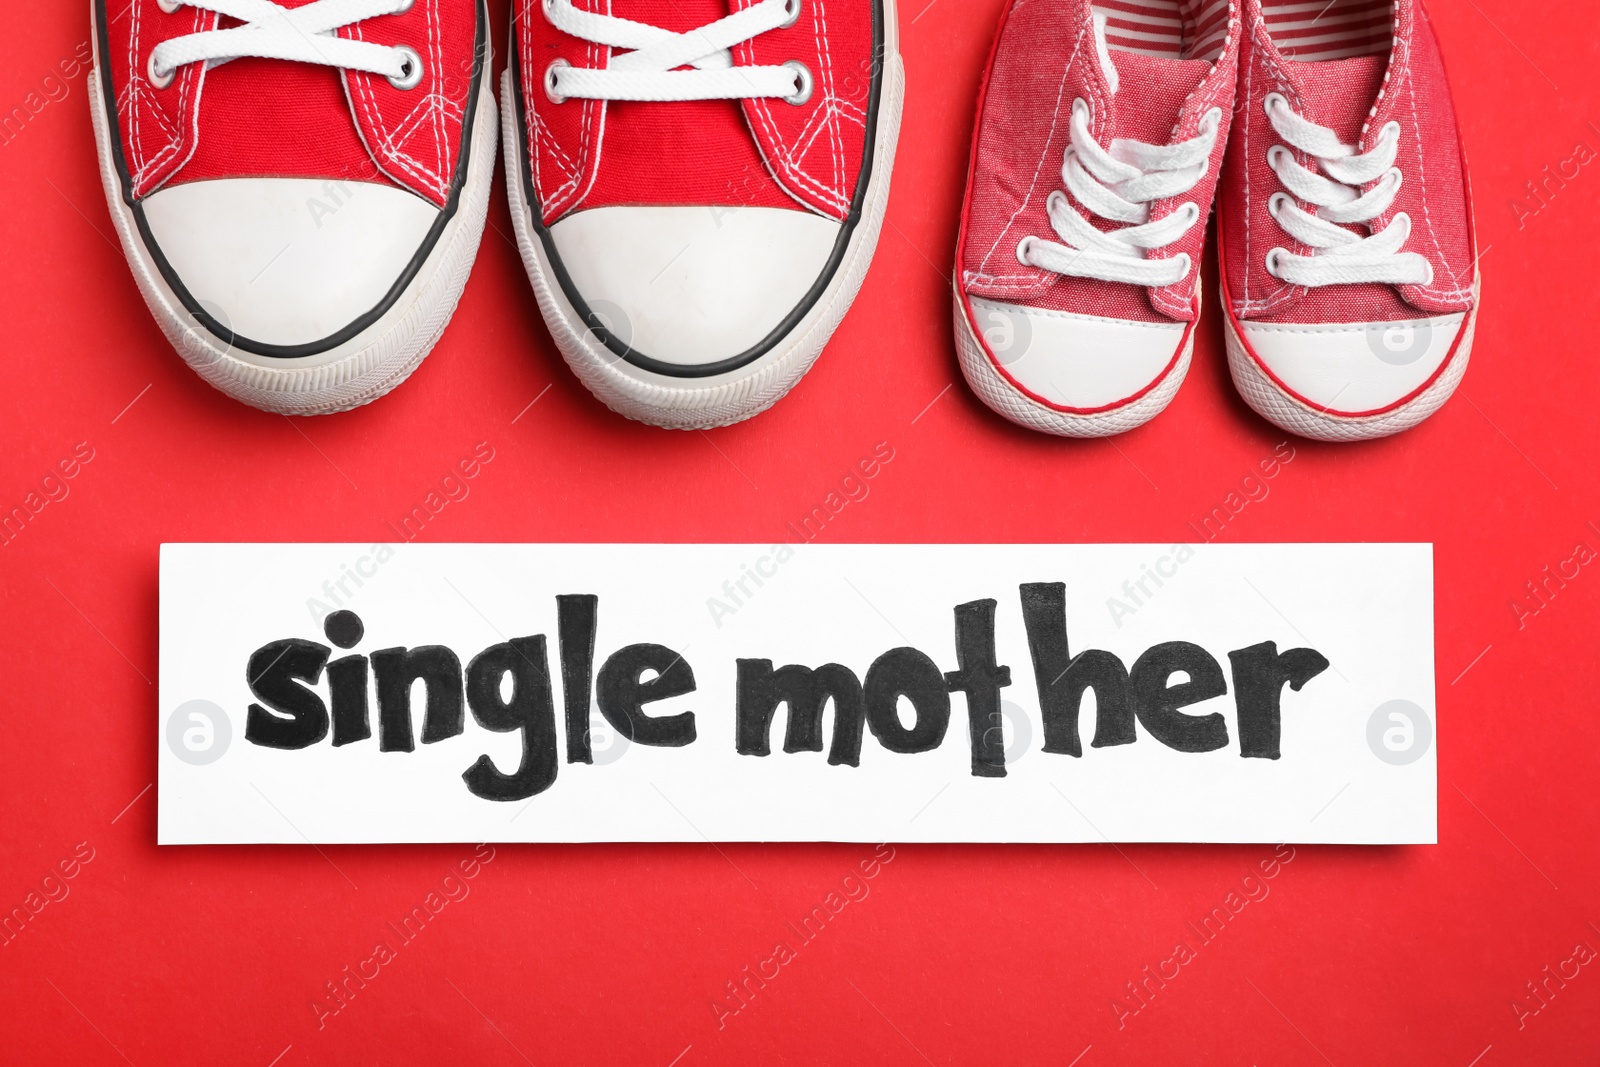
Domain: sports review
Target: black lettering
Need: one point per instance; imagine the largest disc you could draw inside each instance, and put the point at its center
(440, 671)
(1157, 703)
(576, 621)
(805, 691)
(622, 694)
(297, 717)
(1062, 678)
(906, 672)
(344, 628)
(347, 695)
(981, 679)
(1259, 674)
(530, 709)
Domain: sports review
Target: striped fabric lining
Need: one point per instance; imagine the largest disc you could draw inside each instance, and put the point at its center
(1314, 30)
(1171, 29)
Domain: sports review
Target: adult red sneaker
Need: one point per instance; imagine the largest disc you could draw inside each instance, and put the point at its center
(1349, 266)
(1099, 141)
(697, 187)
(299, 186)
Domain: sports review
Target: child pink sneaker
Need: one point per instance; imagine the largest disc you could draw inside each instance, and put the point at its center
(1099, 142)
(1345, 232)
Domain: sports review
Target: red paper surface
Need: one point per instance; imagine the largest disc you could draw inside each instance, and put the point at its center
(972, 955)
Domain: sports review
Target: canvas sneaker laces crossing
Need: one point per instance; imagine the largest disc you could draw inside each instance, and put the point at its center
(1119, 185)
(1341, 257)
(302, 35)
(649, 72)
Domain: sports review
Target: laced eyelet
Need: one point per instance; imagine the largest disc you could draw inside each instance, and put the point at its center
(405, 5)
(169, 6)
(1023, 246)
(1278, 152)
(1272, 261)
(1188, 264)
(157, 79)
(792, 11)
(803, 81)
(1211, 119)
(550, 81)
(1193, 211)
(410, 70)
(1275, 99)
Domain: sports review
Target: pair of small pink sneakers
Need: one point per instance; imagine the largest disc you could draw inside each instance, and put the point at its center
(696, 186)
(1346, 251)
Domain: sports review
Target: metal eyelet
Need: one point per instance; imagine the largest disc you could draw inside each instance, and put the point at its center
(1023, 247)
(550, 81)
(169, 6)
(1274, 98)
(1275, 204)
(803, 81)
(1272, 261)
(792, 11)
(1277, 152)
(410, 69)
(159, 81)
(1188, 264)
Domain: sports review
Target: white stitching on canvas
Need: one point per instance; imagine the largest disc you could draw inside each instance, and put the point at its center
(825, 54)
(1441, 292)
(1044, 153)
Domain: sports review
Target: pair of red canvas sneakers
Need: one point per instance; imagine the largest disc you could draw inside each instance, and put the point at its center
(1346, 252)
(697, 186)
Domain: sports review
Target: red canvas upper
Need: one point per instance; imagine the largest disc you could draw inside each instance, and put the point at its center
(1045, 58)
(1356, 97)
(271, 118)
(760, 153)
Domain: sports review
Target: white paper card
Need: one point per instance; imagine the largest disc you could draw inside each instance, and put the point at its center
(387, 693)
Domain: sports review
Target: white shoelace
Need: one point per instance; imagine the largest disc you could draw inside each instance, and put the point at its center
(303, 35)
(648, 72)
(1341, 257)
(1119, 184)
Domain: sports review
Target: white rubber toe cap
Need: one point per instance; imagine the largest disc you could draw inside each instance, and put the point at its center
(693, 285)
(288, 261)
(1354, 368)
(1077, 362)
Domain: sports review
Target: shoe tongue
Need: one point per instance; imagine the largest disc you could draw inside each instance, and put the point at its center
(1339, 93)
(1150, 93)
(679, 16)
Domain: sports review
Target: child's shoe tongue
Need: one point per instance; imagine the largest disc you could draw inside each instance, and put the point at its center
(1339, 93)
(1150, 94)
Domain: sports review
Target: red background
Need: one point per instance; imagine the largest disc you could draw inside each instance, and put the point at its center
(972, 955)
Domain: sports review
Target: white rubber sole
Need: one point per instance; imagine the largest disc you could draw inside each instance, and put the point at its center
(705, 403)
(1009, 401)
(369, 364)
(1290, 413)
